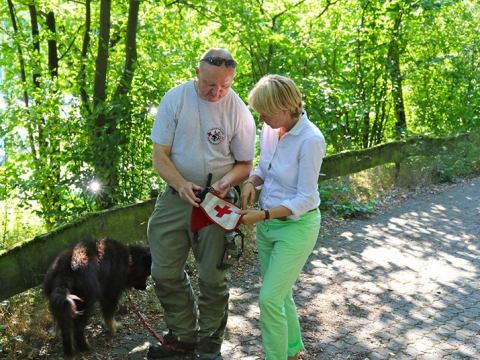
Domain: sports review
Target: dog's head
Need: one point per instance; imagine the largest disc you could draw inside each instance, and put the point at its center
(139, 268)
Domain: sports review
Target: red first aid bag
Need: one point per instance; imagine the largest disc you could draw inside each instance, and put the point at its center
(215, 210)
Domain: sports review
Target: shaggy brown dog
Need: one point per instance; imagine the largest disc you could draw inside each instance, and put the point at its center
(88, 272)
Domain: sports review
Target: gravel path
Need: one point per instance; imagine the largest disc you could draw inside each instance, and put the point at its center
(404, 284)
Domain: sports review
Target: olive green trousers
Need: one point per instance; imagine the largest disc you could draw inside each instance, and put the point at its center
(190, 318)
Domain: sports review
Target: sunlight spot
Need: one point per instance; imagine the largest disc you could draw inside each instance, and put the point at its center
(95, 187)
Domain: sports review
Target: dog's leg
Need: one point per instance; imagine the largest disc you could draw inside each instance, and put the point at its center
(111, 325)
(79, 334)
(80, 323)
(109, 308)
(66, 330)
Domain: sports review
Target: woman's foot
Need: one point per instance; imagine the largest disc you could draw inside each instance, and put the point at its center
(293, 357)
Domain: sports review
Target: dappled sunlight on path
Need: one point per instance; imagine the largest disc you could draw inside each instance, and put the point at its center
(403, 284)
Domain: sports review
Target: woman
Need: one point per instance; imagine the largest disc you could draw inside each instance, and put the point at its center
(291, 153)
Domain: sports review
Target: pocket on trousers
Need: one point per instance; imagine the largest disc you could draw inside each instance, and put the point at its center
(233, 249)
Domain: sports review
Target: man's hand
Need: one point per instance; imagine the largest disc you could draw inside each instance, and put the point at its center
(187, 193)
(222, 186)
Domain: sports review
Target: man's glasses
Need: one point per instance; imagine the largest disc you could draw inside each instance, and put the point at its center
(217, 61)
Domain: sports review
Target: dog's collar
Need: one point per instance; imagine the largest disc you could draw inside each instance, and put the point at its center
(130, 264)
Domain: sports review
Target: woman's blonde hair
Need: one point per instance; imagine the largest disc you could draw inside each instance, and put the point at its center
(274, 93)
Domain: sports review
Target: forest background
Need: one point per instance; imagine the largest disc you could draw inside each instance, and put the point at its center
(80, 82)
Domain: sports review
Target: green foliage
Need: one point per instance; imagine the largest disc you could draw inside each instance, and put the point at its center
(460, 163)
(17, 223)
(331, 200)
(348, 209)
(370, 72)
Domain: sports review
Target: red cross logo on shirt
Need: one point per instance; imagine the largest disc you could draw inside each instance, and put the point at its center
(222, 210)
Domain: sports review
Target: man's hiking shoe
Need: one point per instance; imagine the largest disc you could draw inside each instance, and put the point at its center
(206, 350)
(170, 348)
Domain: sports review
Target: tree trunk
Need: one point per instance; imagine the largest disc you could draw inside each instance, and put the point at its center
(84, 56)
(99, 91)
(107, 135)
(396, 79)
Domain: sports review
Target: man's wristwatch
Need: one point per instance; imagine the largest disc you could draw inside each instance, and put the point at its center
(248, 182)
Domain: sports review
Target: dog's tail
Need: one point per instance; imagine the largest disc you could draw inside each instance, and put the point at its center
(61, 299)
(73, 307)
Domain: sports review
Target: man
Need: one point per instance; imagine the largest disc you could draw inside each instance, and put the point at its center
(203, 132)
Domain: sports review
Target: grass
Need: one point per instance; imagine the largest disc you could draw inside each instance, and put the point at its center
(23, 317)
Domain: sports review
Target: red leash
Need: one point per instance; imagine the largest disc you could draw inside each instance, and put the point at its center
(149, 328)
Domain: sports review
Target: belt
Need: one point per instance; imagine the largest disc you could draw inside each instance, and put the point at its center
(284, 218)
(172, 189)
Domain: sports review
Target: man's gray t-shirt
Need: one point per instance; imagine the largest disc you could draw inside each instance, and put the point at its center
(206, 137)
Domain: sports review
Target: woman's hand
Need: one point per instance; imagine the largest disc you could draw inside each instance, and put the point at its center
(251, 217)
(247, 197)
